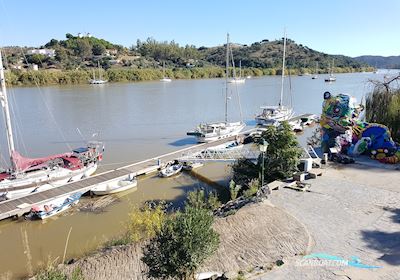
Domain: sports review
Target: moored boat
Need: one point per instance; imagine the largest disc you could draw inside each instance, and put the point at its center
(115, 186)
(230, 145)
(55, 206)
(170, 169)
(208, 132)
(27, 175)
(274, 115)
(188, 166)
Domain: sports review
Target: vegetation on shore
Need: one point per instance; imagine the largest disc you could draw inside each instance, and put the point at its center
(280, 161)
(77, 57)
(383, 105)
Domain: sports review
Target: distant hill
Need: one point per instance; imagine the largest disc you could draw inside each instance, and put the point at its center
(387, 62)
(85, 51)
(268, 54)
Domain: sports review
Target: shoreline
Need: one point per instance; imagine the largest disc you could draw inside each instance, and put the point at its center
(324, 223)
(46, 77)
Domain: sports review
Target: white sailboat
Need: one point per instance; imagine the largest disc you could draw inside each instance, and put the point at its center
(165, 78)
(331, 78)
(315, 76)
(273, 115)
(27, 175)
(218, 130)
(98, 81)
(238, 80)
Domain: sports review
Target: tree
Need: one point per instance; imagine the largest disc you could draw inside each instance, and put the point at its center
(38, 59)
(281, 159)
(98, 49)
(182, 245)
(83, 48)
(69, 36)
(61, 54)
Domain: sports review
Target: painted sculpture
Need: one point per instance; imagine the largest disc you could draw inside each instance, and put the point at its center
(342, 128)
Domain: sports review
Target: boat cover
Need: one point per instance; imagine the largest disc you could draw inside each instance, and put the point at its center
(23, 163)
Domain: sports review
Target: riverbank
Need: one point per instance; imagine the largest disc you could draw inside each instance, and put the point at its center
(82, 76)
(258, 234)
(351, 210)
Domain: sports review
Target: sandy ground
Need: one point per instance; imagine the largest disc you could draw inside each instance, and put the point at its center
(352, 210)
(256, 234)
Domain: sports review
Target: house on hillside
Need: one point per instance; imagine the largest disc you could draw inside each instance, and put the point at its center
(46, 52)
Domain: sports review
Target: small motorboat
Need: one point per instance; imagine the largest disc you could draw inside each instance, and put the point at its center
(54, 207)
(230, 145)
(296, 125)
(309, 120)
(189, 166)
(170, 169)
(115, 186)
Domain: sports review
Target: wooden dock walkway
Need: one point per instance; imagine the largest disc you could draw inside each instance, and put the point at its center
(20, 206)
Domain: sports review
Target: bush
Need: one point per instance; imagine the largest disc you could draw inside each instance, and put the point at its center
(145, 223)
(203, 200)
(184, 242)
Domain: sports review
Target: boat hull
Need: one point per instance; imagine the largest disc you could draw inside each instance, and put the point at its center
(232, 129)
(115, 186)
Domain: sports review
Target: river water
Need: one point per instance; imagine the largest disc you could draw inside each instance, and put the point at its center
(135, 121)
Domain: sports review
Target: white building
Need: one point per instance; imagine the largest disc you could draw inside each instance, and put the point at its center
(46, 52)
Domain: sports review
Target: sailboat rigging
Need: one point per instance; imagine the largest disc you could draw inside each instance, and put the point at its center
(237, 80)
(273, 115)
(208, 132)
(316, 71)
(98, 81)
(165, 78)
(331, 78)
(27, 175)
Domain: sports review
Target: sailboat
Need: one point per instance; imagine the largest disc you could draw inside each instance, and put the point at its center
(238, 80)
(315, 76)
(165, 79)
(273, 115)
(28, 175)
(208, 132)
(98, 81)
(331, 78)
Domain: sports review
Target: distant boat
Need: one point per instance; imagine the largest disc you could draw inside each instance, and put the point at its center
(238, 80)
(55, 206)
(171, 169)
(165, 79)
(273, 115)
(315, 76)
(331, 78)
(98, 81)
(115, 186)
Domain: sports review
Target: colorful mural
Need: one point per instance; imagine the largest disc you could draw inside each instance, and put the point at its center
(341, 128)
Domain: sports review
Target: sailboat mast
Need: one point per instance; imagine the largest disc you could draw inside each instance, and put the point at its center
(226, 77)
(98, 66)
(283, 68)
(6, 112)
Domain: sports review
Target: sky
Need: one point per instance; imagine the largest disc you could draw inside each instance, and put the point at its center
(348, 27)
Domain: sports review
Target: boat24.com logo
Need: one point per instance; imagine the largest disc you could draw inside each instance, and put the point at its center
(320, 259)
